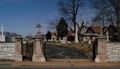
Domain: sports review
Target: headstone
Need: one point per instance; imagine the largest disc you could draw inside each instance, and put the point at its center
(68, 42)
(51, 40)
(2, 37)
(38, 47)
(64, 40)
(89, 42)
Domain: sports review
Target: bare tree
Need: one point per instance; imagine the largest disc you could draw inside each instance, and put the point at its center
(110, 9)
(53, 24)
(105, 11)
(9, 35)
(69, 9)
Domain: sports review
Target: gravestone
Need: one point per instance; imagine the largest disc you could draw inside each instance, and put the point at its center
(68, 41)
(64, 40)
(38, 47)
(51, 40)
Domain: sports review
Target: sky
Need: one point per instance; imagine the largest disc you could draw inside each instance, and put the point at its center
(22, 16)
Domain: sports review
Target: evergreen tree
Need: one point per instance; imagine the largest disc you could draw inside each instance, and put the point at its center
(48, 35)
(62, 28)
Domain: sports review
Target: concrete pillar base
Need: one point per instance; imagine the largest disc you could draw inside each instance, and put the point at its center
(101, 58)
(18, 57)
(37, 58)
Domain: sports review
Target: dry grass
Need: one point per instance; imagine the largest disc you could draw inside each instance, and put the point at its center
(83, 47)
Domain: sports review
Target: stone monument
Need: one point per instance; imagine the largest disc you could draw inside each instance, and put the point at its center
(76, 36)
(2, 37)
(64, 40)
(101, 55)
(38, 47)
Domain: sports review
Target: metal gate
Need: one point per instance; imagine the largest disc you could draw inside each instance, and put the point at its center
(28, 51)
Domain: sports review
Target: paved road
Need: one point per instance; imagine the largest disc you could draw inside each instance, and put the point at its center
(59, 52)
(54, 67)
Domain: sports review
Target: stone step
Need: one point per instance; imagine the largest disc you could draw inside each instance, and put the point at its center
(69, 60)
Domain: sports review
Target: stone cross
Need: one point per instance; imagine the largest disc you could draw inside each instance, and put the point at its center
(101, 30)
(38, 26)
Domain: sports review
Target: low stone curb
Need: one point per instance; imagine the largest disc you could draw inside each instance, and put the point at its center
(5, 64)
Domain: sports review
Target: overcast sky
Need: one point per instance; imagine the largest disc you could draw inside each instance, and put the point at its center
(21, 16)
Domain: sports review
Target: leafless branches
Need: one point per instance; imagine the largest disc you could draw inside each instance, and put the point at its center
(69, 9)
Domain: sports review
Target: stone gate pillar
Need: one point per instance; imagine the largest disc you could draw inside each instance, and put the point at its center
(18, 48)
(101, 51)
(38, 47)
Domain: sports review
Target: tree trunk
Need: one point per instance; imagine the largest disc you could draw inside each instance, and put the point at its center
(79, 33)
(74, 20)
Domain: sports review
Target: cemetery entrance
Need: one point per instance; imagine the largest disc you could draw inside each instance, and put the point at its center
(28, 51)
(61, 52)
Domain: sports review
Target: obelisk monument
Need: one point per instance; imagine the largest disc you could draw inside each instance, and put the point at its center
(2, 37)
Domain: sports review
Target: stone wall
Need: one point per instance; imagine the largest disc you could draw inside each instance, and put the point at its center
(113, 52)
(7, 51)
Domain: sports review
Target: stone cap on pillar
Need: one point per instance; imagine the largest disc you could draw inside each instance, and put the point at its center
(18, 37)
(101, 38)
(38, 37)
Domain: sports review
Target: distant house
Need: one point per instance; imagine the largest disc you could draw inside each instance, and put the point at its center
(94, 31)
(53, 36)
(83, 31)
(112, 31)
(70, 36)
(91, 33)
(70, 32)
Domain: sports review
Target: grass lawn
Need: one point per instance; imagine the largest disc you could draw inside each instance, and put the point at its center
(83, 47)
